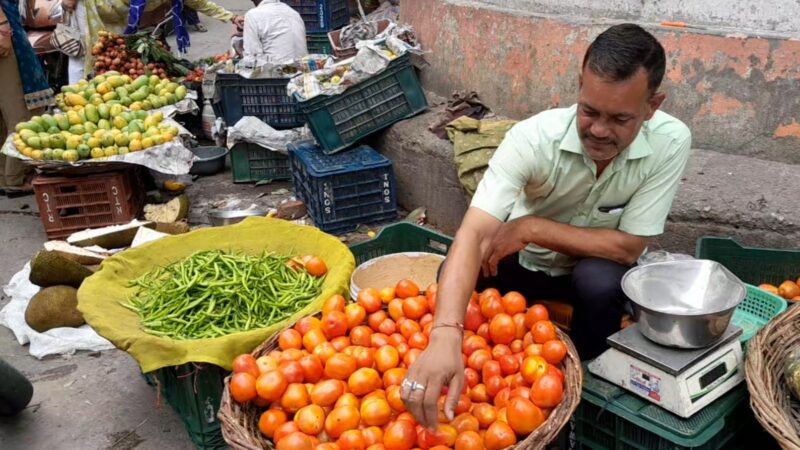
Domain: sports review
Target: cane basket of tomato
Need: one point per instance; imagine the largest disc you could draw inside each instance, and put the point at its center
(332, 380)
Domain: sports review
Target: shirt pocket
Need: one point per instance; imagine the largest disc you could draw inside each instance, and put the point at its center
(606, 220)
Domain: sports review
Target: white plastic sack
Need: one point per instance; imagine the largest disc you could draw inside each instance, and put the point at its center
(253, 130)
(186, 106)
(52, 342)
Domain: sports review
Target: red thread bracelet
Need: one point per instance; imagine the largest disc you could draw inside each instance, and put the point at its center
(456, 325)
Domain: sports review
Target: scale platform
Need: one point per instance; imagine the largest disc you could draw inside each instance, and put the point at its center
(682, 381)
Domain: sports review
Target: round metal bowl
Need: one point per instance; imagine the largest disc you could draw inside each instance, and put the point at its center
(219, 217)
(419, 267)
(685, 304)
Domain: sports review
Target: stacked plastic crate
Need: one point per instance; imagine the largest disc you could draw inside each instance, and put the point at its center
(344, 190)
(320, 17)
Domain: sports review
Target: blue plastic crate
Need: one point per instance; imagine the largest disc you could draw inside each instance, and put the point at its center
(339, 121)
(321, 15)
(344, 190)
(264, 98)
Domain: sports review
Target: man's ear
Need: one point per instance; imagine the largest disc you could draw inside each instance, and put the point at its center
(654, 103)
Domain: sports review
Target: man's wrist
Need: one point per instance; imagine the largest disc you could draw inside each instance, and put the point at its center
(441, 332)
(529, 229)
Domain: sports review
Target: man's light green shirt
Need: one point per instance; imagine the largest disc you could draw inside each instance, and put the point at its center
(540, 169)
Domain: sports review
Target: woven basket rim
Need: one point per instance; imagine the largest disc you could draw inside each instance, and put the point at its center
(239, 423)
(775, 408)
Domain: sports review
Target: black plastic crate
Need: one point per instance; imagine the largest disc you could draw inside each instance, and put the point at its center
(251, 162)
(345, 190)
(339, 121)
(264, 98)
(321, 15)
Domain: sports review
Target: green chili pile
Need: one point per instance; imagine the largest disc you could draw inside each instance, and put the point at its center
(212, 294)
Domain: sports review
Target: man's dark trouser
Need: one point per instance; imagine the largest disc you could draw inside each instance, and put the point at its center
(593, 288)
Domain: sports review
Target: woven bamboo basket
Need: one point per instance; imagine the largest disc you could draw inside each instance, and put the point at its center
(239, 423)
(773, 405)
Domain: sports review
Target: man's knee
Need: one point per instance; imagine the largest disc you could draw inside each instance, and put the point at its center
(597, 281)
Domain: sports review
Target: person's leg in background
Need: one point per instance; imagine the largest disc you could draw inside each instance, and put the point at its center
(75, 69)
(599, 304)
(193, 20)
(511, 276)
(13, 110)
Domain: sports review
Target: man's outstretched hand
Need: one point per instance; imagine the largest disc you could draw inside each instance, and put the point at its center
(439, 365)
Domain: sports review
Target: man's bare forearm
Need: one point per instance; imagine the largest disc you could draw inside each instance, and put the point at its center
(584, 242)
(460, 272)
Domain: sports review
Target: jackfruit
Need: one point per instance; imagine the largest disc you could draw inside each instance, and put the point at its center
(51, 269)
(172, 211)
(54, 307)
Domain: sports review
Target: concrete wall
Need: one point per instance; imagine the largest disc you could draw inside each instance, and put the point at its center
(776, 16)
(738, 93)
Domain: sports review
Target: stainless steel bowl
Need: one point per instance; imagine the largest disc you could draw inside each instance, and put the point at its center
(219, 217)
(686, 304)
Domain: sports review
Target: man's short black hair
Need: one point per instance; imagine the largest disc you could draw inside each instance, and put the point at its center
(621, 50)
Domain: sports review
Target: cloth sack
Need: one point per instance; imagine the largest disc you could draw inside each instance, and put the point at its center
(461, 103)
(474, 144)
(102, 295)
(67, 37)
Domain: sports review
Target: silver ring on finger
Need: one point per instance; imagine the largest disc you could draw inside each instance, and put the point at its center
(406, 389)
(417, 386)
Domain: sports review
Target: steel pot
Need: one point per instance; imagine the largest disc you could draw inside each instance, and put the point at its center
(220, 218)
(686, 303)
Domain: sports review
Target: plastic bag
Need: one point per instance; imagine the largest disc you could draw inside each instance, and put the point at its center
(791, 372)
(251, 129)
(661, 256)
(52, 342)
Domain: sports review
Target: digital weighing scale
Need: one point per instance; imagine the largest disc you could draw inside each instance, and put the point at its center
(682, 381)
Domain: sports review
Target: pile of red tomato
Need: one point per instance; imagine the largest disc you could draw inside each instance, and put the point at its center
(335, 382)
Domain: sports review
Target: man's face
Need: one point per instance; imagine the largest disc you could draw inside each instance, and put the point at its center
(610, 113)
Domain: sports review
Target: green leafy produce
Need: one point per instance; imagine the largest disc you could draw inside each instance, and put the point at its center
(213, 293)
(152, 51)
